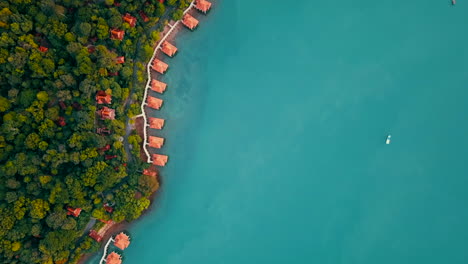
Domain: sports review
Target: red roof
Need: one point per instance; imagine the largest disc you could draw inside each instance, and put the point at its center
(105, 148)
(203, 5)
(113, 258)
(43, 49)
(160, 160)
(120, 59)
(154, 102)
(109, 157)
(156, 142)
(121, 241)
(94, 235)
(143, 16)
(117, 34)
(108, 208)
(168, 49)
(159, 66)
(149, 172)
(189, 21)
(103, 98)
(158, 86)
(107, 113)
(73, 211)
(156, 123)
(130, 20)
(91, 49)
(61, 121)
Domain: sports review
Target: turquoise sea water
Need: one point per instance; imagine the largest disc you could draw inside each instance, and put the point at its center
(277, 115)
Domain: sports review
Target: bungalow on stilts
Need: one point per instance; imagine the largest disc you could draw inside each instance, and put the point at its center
(158, 86)
(159, 160)
(156, 142)
(154, 102)
(113, 258)
(169, 49)
(156, 123)
(202, 5)
(190, 22)
(159, 66)
(122, 241)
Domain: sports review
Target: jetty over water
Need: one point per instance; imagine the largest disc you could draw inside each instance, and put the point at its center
(157, 86)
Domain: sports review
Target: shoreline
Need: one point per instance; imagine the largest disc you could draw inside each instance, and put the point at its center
(141, 125)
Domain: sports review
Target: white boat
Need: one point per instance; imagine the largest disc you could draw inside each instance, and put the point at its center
(388, 139)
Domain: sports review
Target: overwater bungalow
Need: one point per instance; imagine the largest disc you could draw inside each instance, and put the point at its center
(103, 98)
(113, 258)
(160, 160)
(122, 241)
(107, 113)
(154, 102)
(129, 19)
(190, 22)
(156, 123)
(73, 211)
(202, 5)
(159, 66)
(155, 142)
(117, 34)
(158, 86)
(169, 49)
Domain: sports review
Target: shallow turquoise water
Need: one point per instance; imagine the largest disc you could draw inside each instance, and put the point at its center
(276, 122)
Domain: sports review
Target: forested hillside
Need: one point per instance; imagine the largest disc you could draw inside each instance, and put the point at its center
(59, 150)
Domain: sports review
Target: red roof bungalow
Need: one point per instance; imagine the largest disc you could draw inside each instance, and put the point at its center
(91, 49)
(121, 241)
(156, 142)
(190, 22)
(105, 148)
(103, 98)
(159, 66)
(113, 258)
(120, 60)
(158, 86)
(143, 16)
(43, 49)
(149, 172)
(117, 34)
(94, 235)
(129, 19)
(61, 121)
(203, 5)
(169, 49)
(156, 123)
(102, 130)
(154, 102)
(107, 113)
(108, 208)
(73, 211)
(159, 160)
(109, 157)
(117, 4)
(161, 1)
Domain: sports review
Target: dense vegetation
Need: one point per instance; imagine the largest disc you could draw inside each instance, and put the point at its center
(51, 157)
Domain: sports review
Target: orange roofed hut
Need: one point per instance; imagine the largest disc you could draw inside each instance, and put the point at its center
(203, 5)
(120, 60)
(159, 66)
(154, 102)
(156, 123)
(113, 258)
(73, 211)
(156, 142)
(190, 22)
(122, 241)
(160, 160)
(103, 98)
(158, 86)
(129, 19)
(150, 172)
(117, 34)
(169, 49)
(107, 113)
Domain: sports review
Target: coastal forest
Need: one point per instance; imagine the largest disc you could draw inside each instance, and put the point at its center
(65, 165)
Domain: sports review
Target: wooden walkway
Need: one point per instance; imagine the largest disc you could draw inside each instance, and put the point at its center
(104, 255)
(148, 83)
